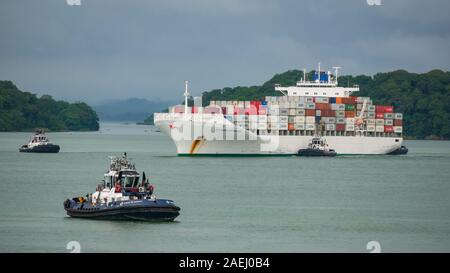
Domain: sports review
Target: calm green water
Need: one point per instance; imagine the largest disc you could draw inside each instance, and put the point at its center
(267, 204)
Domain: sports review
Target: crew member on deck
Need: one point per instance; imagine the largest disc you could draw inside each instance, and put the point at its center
(150, 189)
(118, 187)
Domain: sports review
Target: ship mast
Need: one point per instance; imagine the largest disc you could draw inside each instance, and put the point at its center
(186, 95)
(336, 69)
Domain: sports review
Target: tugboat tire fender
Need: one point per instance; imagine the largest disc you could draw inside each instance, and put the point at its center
(66, 203)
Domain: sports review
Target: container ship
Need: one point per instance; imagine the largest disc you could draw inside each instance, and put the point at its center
(284, 124)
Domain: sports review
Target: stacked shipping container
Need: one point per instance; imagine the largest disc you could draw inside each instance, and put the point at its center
(285, 114)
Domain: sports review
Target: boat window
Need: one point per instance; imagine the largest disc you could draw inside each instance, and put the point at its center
(136, 182)
(129, 181)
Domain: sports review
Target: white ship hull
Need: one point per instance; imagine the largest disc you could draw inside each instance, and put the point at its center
(284, 144)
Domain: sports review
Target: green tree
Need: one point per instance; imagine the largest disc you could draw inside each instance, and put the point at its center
(20, 111)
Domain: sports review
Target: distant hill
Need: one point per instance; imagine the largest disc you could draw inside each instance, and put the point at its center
(424, 99)
(24, 111)
(132, 109)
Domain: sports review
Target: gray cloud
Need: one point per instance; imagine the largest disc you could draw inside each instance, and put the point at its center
(107, 49)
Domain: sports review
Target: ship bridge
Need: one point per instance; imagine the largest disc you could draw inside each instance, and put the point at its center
(324, 84)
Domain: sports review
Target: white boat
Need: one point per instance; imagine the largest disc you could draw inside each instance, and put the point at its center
(202, 131)
(318, 146)
(39, 143)
(122, 196)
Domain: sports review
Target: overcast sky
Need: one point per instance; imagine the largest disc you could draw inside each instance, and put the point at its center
(110, 49)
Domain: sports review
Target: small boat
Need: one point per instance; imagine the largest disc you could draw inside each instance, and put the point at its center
(122, 196)
(317, 147)
(39, 143)
(400, 151)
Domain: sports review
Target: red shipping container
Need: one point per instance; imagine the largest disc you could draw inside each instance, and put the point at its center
(349, 114)
(328, 113)
(389, 109)
(349, 100)
(379, 115)
(323, 106)
(252, 110)
(353, 99)
(310, 112)
(398, 122)
(388, 129)
(238, 111)
(255, 103)
(379, 108)
(340, 127)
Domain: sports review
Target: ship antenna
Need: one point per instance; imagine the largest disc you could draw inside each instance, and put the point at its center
(336, 69)
(186, 95)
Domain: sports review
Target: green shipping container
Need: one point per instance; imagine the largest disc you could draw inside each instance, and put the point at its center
(349, 107)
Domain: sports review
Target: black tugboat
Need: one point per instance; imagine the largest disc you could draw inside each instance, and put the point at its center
(122, 196)
(317, 147)
(39, 143)
(400, 151)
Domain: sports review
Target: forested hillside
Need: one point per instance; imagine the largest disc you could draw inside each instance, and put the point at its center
(24, 111)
